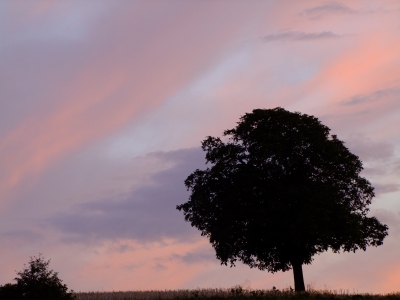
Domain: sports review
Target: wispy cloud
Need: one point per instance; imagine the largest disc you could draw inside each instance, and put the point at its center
(335, 8)
(387, 188)
(197, 256)
(21, 236)
(391, 218)
(373, 97)
(300, 36)
(160, 267)
(369, 150)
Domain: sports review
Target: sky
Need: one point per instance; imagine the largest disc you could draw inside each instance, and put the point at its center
(104, 104)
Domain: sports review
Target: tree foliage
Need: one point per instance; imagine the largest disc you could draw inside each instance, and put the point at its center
(279, 190)
(36, 281)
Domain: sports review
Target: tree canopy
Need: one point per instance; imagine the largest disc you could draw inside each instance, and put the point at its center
(279, 190)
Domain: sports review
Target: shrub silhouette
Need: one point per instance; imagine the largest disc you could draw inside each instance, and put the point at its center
(9, 291)
(36, 282)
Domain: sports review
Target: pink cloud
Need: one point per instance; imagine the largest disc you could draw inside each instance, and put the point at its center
(105, 95)
(142, 267)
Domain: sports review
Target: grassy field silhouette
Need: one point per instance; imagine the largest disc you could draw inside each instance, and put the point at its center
(236, 293)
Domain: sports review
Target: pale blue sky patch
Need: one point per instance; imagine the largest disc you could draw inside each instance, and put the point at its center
(163, 128)
(64, 21)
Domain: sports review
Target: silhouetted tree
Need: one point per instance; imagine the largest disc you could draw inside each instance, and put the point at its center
(279, 191)
(36, 282)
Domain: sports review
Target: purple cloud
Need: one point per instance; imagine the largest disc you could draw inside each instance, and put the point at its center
(146, 214)
(335, 8)
(369, 150)
(300, 36)
(197, 256)
(379, 95)
(386, 188)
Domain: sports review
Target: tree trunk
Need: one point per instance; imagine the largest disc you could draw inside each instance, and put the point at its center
(298, 277)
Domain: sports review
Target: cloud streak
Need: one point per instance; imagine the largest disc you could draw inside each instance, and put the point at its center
(386, 188)
(94, 97)
(332, 8)
(379, 95)
(200, 255)
(369, 150)
(300, 36)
